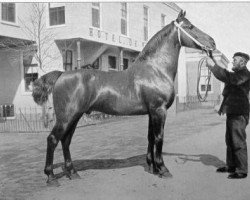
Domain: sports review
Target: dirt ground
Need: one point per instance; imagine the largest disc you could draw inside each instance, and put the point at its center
(110, 158)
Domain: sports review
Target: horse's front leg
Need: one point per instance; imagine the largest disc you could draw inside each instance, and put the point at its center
(69, 169)
(52, 141)
(150, 152)
(158, 117)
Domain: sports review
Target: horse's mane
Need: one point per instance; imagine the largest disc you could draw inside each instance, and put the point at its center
(154, 42)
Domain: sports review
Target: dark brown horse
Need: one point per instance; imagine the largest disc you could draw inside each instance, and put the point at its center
(146, 88)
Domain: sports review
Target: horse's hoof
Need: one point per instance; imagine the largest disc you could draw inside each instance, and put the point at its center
(53, 183)
(75, 176)
(165, 175)
(149, 170)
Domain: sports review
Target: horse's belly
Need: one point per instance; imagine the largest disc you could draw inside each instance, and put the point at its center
(120, 106)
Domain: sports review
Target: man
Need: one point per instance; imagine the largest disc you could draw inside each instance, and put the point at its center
(235, 105)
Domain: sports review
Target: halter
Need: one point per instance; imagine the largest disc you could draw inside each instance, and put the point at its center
(178, 25)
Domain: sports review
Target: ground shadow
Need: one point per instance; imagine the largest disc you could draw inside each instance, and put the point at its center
(140, 160)
(81, 165)
(205, 159)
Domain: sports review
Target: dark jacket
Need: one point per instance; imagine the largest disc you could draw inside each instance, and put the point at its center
(236, 90)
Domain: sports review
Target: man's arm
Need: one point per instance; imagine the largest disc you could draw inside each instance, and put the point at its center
(224, 75)
(220, 73)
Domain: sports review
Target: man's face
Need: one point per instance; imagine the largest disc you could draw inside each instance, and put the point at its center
(238, 63)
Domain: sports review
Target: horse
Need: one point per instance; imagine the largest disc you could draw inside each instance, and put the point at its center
(145, 88)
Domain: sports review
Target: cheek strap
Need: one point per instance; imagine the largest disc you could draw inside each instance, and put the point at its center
(178, 25)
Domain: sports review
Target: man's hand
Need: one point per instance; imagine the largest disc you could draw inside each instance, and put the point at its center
(210, 63)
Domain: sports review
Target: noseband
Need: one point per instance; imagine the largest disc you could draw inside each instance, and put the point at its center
(179, 28)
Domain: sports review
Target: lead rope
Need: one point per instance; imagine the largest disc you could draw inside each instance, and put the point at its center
(202, 98)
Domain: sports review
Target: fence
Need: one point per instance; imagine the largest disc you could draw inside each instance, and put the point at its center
(31, 120)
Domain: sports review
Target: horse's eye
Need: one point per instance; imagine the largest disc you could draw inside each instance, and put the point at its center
(189, 26)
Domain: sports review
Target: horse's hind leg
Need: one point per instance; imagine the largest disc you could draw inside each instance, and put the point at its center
(52, 141)
(66, 140)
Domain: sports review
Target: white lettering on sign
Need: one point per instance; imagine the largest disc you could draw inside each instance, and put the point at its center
(111, 37)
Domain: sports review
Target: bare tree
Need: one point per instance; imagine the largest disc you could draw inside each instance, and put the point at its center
(37, 31)
(40, 40)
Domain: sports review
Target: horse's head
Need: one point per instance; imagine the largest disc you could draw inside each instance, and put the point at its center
(190, 36)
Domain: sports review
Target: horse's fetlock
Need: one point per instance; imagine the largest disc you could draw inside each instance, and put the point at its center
(149, 159)
(159, 161)
(48, 170)
(68, 165)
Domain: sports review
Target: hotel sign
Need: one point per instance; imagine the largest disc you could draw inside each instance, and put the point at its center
(115, 39)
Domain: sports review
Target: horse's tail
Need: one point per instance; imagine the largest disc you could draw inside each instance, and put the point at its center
(43, 86)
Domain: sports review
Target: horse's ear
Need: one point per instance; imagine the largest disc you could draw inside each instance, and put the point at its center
(184, 13)
(181, 15)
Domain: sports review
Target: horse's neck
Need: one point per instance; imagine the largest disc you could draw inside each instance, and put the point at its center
(165, 56)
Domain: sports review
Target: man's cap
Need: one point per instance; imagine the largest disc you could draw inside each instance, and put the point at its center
(243, 55)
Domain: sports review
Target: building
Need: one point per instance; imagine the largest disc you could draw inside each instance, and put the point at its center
(82, 34)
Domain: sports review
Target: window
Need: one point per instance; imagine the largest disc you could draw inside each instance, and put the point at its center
(145, 20)
(124, 18)
(9, 12)
(203, 87)
(7, 110)
(163, 23)
(30, 72)
(112, 62)
(56, 15)
(203, 80)
(125, 63)
(96, 15)
(67, 60)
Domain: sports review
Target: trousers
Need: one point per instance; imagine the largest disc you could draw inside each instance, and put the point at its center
(236, 156)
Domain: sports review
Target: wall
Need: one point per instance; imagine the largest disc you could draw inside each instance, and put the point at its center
(15, 29)
(9, 76)
(12, 85)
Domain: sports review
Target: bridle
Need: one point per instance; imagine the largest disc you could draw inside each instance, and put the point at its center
(179, 28)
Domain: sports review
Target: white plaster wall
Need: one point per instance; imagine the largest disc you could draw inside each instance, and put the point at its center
(182, 76)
